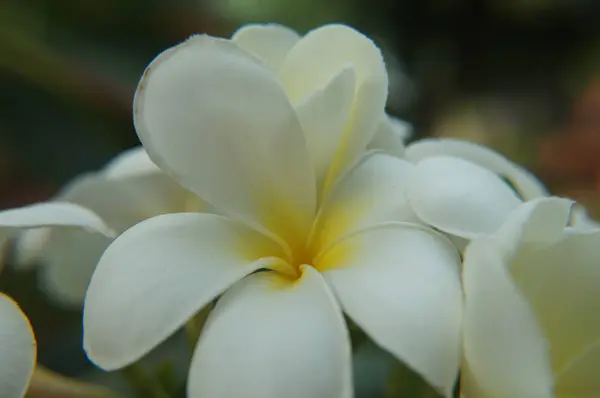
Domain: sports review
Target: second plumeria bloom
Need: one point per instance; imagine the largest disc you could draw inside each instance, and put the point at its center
(531, 324)
(309, 229)
(127, 190)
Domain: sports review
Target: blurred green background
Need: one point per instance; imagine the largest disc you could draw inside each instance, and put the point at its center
(522, 76)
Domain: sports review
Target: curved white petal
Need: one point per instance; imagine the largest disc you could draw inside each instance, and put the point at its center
(580, 377)
(527, 185)
(157, 275)
(212, 116)
(503, 343)
(29, 246)
(269, 42)
(323, 116)
(400, 283)
(270, 337)
(17, 349)
(131, 162)
(69, 259)
(53, 214)
(322, 53)
(536, 223)
(123, 202)
(315, 60)
(371, 192)
(561, 282)
(459, 197)
(391, 135)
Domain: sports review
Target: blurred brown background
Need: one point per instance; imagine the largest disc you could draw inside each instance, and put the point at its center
(522, 76)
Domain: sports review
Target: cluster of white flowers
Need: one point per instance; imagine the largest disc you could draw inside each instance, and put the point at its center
(272, 181)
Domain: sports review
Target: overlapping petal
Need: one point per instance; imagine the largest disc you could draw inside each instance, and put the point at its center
(400, 283)
(532, 225)
(561, 283)
(269, 42)
(373, 191)
(312, 63)
(271, 337)
(459, 197)
(61, 214)
(391, 136)
(216, 119)
(126, 200)
(504, 346)
(29, 247)
(158, 274)
(323, 116)
(527, 185)
(17, 349)
(132, 162)
(69, 259)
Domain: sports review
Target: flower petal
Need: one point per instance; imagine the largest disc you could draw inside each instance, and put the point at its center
(157, 275)
(125, 201)
(269, 42)
(538, 222)
(503, 343)
(132, 162)
(315, 60)
(17, 349)
(69, 259)
(400, 283)
(391, 135)
(323, 116)
(55, 214)
(527, 185)
(29, 246)
(459, 197)
(217, 120)
(561, 283)
(372, 192)
(323, 52)
(580, 377)
(294, 342)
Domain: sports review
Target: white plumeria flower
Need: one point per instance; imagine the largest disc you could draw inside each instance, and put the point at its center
(17, 342)
(460, 187)
(128, 190)
(265, 140)
(531, 325)
(17, 349)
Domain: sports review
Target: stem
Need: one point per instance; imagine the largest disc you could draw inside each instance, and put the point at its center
(357, 336)
(143, 385)
(194, 326)
(403, 382)
(47, 384)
